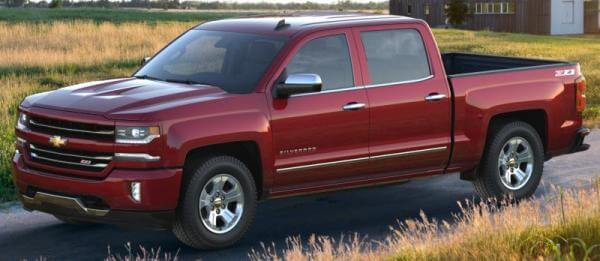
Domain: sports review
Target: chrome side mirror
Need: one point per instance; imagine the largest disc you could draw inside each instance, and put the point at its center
(299, 83)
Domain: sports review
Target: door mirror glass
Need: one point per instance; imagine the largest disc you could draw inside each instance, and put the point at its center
(299, 83)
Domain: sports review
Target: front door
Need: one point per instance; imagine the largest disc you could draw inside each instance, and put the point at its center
(322, 136)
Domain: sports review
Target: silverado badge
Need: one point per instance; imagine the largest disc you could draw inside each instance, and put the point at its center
(57, 141)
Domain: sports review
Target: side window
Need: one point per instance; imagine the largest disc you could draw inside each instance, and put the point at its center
(395, 55)
(329, 57)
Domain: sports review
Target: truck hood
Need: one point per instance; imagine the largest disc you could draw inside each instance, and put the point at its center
(117, 98)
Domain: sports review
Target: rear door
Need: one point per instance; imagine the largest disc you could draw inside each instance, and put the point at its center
(323, 136)
(409, 99)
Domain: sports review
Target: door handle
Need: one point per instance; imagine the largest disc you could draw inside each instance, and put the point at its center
(353, 106)
(435, 97)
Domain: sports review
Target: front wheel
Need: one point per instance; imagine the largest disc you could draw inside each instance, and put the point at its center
(512, 164)
(217, 204)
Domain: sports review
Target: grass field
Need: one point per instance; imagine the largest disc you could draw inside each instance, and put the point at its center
(18, 15)
(42, 50)
(582, 49)
(38, 54)
(564, 225)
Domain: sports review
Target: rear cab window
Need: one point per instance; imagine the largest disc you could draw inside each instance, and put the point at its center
(395, 56)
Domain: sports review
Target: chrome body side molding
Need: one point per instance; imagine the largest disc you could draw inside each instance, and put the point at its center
(361, 159)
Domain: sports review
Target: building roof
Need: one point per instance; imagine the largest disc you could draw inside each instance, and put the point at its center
(290, 25)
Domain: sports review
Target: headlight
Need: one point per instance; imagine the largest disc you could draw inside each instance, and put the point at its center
(22, 121)
(137, 135)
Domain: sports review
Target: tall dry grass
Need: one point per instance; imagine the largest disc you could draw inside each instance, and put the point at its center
(81, 43)
(563, 225)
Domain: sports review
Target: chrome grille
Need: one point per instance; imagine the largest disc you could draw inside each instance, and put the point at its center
(87, 161)
(72, 129)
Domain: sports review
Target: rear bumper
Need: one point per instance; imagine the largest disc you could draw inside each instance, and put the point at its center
(104, 201)
(578, 142)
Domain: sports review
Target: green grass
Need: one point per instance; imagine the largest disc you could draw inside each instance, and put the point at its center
(16, 15)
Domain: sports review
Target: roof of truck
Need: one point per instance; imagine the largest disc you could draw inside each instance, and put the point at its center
(292, 24)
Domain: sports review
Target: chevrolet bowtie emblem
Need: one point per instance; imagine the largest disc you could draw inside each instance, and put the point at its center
(57, 141)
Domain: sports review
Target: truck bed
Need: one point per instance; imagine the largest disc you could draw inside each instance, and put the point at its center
(463, 64)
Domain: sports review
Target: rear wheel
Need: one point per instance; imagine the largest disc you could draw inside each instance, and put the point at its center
(217, 204)
(512, 164)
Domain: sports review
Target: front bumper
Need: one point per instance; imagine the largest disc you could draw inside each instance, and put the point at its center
(74, 209)
(103, 201)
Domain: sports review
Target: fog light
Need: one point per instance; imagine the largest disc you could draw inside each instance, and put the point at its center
(136, 191)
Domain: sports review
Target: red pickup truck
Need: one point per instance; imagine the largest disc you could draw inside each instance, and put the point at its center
(241, 110)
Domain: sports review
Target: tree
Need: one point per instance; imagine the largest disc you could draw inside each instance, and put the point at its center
(56, 4)
(457, 12)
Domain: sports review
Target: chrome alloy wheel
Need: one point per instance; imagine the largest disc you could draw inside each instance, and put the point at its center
(515, 163)
(221, 203)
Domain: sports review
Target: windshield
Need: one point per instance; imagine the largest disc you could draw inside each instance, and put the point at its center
(234, 62)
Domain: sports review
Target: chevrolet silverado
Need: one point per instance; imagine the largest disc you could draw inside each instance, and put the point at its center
(241, 110)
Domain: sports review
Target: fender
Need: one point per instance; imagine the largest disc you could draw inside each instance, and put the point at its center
(243, 118)
(477, 104)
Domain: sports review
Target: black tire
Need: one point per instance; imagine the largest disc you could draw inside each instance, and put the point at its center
(188, 226)
(488, 183)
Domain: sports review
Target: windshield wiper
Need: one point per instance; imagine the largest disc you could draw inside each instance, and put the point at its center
(187, 81)
(147, 77)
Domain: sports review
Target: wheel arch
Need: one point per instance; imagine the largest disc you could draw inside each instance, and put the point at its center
(537, 118)
(247, 151)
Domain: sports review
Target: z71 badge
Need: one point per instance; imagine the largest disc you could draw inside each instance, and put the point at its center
(563, 73)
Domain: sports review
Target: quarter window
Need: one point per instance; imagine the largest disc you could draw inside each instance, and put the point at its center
(395, 55)
(329, 57)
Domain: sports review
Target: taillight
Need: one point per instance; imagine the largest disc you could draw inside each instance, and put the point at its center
(580, 94)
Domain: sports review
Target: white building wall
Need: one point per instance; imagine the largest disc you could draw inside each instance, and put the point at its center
(566, 17)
